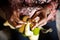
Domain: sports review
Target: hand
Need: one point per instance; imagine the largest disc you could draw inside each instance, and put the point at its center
(15, 20)
(49, 10)
(41, 20)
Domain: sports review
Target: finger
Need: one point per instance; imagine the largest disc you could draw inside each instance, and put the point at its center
(18, 26)
(42, 21)
(12, 21)
(21, 22)
(18, 21)
(36, 14)
(36, 19)
(16, 16)
(37, 24)
(34, 26)
(40, 26)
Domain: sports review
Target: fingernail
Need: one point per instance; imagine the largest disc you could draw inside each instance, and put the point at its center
(20, 22)
(18, 26)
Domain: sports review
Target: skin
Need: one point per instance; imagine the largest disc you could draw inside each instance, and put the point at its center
(14, 19)
(17, 22)
(52, 13)
(42, 20)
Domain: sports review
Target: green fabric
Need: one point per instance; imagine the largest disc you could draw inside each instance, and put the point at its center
(36, 31)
